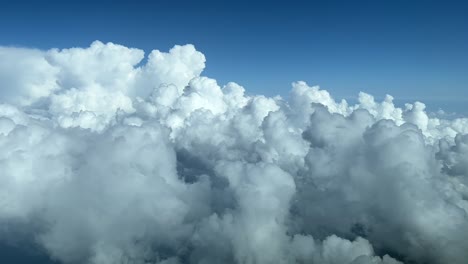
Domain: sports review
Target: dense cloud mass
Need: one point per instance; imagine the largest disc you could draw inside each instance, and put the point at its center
(107, 159)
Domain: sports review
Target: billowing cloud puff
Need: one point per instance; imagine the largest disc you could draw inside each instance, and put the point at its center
(26, 76)
(107, 159)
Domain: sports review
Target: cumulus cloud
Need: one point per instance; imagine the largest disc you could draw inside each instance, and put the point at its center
(105, 159)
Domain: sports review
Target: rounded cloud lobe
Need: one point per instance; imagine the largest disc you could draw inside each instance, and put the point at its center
(105, 159)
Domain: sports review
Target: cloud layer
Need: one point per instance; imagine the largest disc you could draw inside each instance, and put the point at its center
(105, 159)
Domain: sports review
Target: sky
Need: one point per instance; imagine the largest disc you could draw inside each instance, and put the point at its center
(413, 50)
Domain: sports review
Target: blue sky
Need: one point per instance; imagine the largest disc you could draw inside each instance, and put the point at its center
(410, 49)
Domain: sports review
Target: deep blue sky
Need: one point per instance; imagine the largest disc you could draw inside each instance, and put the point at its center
(410, 49)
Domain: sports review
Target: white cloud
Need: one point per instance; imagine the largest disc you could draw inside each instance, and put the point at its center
(104, 159)
(26, 76)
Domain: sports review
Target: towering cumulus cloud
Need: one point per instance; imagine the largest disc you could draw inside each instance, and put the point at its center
(105, 159)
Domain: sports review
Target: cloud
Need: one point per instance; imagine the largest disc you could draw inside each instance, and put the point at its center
(108, 159)
(26, 76)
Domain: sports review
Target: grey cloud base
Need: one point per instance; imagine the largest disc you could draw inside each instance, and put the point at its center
(104, 161)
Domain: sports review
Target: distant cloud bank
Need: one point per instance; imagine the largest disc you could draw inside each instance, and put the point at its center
(105, 159)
